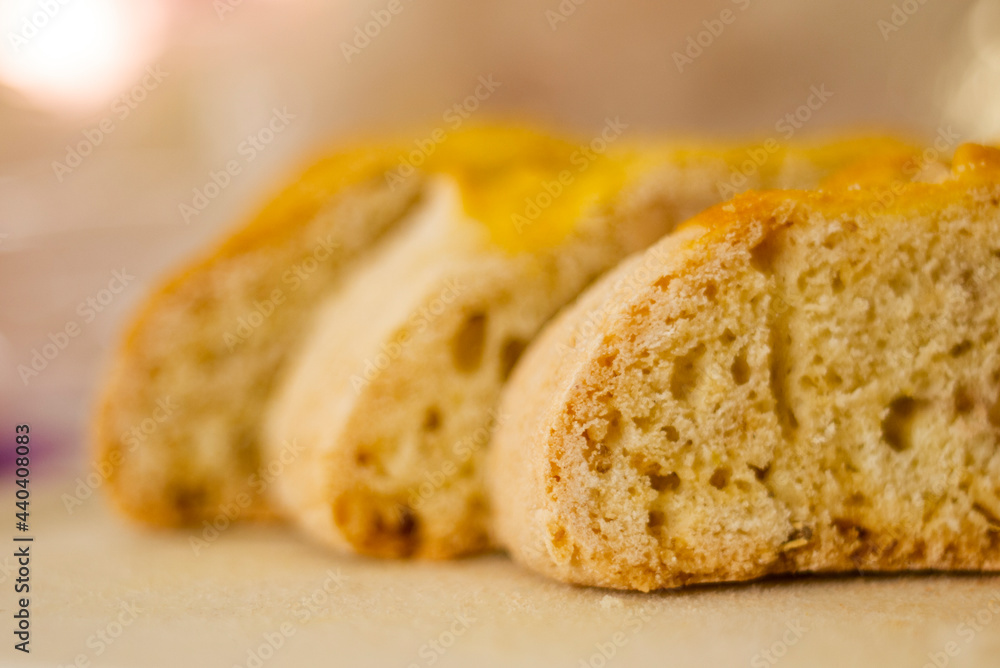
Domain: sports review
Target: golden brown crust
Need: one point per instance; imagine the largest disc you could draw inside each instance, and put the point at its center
(574, 475)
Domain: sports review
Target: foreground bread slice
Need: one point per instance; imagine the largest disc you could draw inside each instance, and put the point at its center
(392, 399)
(792, 382)
(177, 431)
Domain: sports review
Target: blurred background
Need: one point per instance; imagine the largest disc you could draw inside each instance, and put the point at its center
(116, 114)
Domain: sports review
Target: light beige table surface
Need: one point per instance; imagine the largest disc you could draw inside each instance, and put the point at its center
(157, 603)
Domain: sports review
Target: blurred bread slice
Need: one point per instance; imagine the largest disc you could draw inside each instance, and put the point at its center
(794, 381)
(178, 428)
(393, 396)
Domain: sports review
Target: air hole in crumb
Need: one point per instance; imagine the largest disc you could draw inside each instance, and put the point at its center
(597, 455)
(966, 278)
(900, 284)
(510, 352)
(838, 284)
(595, 451)
(760, 473)
(711, 291)
(671, 433)
(850, 529)
(964, 403)
(405, 521)
(655, 519)
(727, 336)
(762, 255)
(363, 458)
(960, 349)
(685, 373)
(188, 500)
(664, 483)
(740, 369)
(720, 478)
(663, 281)
(857, 499)
(432, 419)
(994, 413)
(897, 427)
(467, 347)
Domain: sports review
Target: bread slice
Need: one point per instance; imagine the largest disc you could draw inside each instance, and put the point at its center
(392, 399)
(177, 431)
(793, 382)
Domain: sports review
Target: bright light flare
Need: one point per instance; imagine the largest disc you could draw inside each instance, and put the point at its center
(75, 55)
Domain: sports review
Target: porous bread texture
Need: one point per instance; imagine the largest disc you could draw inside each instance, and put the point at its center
(792, 382)
(178, 426)
(392, 400)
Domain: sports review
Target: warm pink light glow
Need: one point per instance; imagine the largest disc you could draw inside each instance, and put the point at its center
(75, 55)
